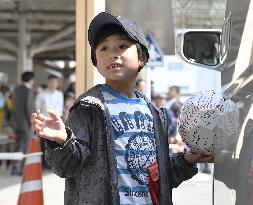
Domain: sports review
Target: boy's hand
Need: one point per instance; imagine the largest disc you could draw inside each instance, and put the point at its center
(51, 128)
(193, 158)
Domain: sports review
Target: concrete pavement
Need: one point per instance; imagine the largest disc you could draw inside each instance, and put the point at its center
(53, 188)
(197, 190)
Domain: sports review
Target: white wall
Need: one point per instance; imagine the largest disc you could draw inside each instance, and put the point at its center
(188, 77)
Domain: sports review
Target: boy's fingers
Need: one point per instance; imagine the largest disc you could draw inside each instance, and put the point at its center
(210, 159)
(199, 157)
(38, 122)
(53, 115)
(207, 159)
(41, 133)
(36, 128)
(33, 117)
(42, 117)
(38, 112)
(33, 121)
(194, 155)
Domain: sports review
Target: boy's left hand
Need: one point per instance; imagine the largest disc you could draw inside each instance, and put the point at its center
(193, 158)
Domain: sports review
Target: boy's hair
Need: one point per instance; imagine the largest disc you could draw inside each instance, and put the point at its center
(109, 30)
(27, 76)
(115, 25)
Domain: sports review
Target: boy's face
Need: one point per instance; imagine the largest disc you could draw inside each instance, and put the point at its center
(117, 58)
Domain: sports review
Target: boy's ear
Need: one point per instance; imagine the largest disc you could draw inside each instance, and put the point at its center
(143, 60)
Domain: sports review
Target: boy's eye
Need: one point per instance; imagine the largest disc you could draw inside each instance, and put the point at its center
(123, 46)
(104, 48)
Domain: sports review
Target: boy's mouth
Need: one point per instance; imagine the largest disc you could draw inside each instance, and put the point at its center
(114, 66)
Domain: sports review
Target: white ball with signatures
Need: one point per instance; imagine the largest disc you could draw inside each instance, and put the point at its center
(208, 122)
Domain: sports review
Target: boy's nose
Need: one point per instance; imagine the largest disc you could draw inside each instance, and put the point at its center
(114, 57)
(114, 54)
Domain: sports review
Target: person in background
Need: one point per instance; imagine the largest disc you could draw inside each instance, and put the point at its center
(69, 99)
(49, 99)
(68, 103)
(23, 107)
(2, 105)
(160, 100)
(8, 106)
(71, 88)
(153, 93)
(174, 103)
(40, 89)
(140, 85)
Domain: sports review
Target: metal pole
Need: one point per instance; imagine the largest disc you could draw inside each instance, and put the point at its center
(24, 62)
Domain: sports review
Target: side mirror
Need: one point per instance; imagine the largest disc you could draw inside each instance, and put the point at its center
(200, 47)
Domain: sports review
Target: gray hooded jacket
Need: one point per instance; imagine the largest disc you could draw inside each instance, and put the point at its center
(88, 159)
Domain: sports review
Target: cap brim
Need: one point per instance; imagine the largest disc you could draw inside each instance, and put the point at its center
(98, 22)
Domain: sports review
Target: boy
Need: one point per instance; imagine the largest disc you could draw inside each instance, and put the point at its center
(114, 135)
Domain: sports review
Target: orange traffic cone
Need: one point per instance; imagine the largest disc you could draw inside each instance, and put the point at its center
(31, 189)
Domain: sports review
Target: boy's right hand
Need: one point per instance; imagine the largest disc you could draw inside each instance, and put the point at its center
(51, 127)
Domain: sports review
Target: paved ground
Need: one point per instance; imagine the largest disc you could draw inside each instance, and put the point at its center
(198, 190)
(53, 188)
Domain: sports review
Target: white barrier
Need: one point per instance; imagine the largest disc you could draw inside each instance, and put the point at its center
(16, 155)
(21, 155)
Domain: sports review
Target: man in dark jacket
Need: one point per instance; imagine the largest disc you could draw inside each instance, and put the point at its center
(23, 106)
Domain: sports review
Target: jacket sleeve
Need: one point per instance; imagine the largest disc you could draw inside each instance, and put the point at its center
(69, 159)
(180, 169)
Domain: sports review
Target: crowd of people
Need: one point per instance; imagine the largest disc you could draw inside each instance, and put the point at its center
(170, 101)
(17, 106)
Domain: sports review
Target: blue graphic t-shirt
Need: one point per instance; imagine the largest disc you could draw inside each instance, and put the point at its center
(135, 145)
